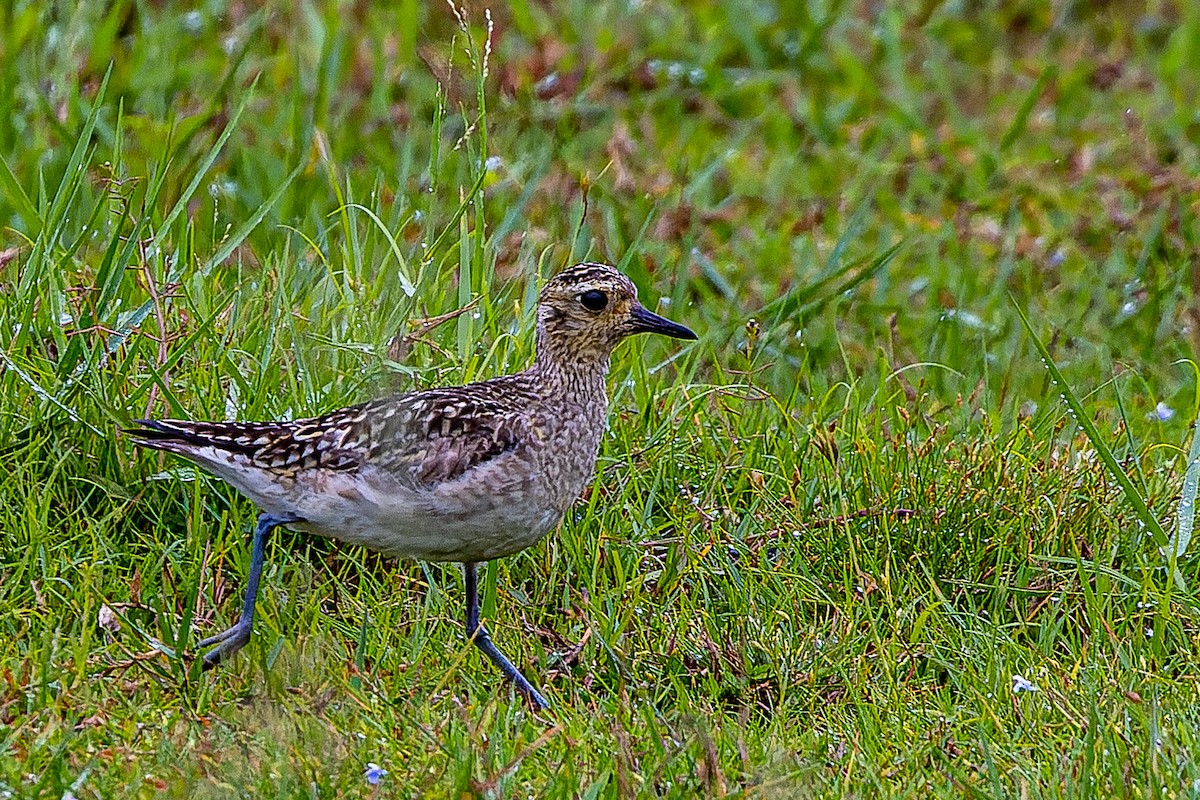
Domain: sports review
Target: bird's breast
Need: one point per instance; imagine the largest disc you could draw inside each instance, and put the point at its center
(568, 455)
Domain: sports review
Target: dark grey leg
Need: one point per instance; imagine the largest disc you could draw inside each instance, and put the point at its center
(483, 640)
(230, 641)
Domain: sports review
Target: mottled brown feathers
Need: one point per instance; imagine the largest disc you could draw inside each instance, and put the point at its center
(423, 437)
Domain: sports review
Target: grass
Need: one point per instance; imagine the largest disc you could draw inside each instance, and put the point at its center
(823, 541)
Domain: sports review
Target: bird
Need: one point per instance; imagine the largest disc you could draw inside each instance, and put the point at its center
(463, 474)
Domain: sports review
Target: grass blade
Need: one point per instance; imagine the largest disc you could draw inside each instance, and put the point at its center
(202, 170)
(17, 196)
(452, 225)
(1185, 524)
(233, 242)
(1132, 495)
(804, 295)
(40, 259)
(1022, 117)
(405, 282)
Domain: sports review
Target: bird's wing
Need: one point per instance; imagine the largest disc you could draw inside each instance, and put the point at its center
(422, 438)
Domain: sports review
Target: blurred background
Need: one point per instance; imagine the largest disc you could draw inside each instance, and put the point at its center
(747, 158)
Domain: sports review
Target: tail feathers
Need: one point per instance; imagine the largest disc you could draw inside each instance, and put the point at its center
(182, 436)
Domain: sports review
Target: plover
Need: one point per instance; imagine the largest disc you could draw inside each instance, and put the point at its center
(465, 473)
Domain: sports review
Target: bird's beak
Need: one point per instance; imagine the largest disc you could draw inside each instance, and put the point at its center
(648, 322)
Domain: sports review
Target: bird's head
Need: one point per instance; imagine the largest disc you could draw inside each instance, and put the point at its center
(586, 310)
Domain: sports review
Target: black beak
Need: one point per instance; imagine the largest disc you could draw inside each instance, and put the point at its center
(648, 322)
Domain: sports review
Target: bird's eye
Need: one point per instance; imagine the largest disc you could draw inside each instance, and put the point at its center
(594, 300)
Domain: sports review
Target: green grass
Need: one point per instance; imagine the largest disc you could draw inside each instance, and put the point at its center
(822, 540)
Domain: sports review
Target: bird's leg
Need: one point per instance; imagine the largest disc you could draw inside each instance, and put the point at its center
(230, 641)
(483, 640)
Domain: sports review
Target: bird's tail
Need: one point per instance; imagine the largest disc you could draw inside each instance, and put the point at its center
(183, 436)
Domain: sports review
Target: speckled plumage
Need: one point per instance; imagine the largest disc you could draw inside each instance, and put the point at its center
(466, 473)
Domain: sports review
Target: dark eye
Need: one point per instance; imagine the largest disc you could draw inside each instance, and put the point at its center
(594, 300)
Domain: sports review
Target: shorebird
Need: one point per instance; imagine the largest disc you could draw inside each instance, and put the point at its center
(465, 473)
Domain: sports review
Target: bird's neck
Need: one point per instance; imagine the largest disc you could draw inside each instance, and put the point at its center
(572, 373)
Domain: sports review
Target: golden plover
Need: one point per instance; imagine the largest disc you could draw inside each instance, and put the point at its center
(465, 473)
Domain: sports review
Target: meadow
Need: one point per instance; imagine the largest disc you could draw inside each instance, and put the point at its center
(870, 536)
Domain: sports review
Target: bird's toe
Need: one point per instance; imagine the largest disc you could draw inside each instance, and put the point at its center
(227, 643)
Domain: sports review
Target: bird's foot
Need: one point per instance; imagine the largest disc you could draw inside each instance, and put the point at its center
(227, 643)
(531, 694)
(483, 641)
